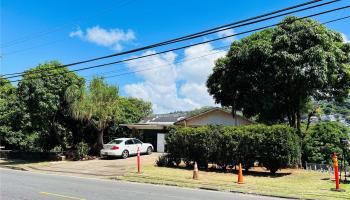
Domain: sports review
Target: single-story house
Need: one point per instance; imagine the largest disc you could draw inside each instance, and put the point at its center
(153, 128)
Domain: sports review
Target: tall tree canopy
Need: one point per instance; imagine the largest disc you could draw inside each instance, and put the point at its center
(273, 73)
(52, 109)
(11, 117)
(42, 93)
(132, 110)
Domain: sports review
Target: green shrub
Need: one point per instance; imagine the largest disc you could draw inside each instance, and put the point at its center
(273, 146)
(227, 146)
(56, 149)
(82, 150)
(322, 139)
(249, 142)
(279, 147)
(162, 161)
(167, 161)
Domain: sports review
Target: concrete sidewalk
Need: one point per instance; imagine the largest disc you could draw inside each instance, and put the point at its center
(99, 168)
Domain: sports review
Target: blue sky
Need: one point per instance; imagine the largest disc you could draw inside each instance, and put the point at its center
(33, 32)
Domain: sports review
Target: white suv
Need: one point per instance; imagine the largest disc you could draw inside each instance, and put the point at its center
(124, 147)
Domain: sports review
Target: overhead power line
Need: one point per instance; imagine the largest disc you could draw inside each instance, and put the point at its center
(199, 34)
(200, 43)
(157, 67)
(215, 50)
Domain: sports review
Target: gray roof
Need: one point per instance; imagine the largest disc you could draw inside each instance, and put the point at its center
(170, 118)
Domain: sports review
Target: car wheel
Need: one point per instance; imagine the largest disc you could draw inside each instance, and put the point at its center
(149, 150)
(125, 154)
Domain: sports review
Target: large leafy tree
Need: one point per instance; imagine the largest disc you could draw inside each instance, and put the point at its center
(41, 91)
(130, 110)
(133, 109)
(14, 121)
(9, 129)
(272, 74)
(97, 105)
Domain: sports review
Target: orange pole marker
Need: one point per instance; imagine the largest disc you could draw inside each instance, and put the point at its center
(336, 171)
(138, 161)
(240, 174)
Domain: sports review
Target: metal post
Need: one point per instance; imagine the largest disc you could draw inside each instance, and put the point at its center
(341, 167)
(344, 166)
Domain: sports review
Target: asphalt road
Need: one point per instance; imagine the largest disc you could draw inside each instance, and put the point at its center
(15, 185)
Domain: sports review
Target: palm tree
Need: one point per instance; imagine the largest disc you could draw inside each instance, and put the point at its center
(96, 105)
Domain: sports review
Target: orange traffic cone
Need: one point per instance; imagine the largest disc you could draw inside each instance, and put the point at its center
(195, 171)
(240, 174)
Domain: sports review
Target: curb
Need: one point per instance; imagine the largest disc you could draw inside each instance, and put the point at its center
(268, 195)
(209, 188)
(13, 167)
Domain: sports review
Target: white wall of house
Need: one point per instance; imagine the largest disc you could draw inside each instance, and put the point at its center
(161, 142)
(217, 117)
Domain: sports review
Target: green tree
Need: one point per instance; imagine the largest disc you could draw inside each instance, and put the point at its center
(273, 73)
(322, 139)
(131, 110)
(14, 121)
(8, 134)
(96, 105)
(41, 91)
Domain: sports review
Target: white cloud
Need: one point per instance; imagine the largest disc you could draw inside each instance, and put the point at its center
(78, 33)
(164, 98)
(166, 69)
(159, 85)
(199, 62)
(112, 38)
(170, 86)
(198, 93)
(225, 33)
(345, 38)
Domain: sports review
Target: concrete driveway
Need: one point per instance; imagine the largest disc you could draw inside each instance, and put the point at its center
(102, 168)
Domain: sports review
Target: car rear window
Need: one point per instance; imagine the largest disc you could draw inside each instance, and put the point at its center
(115, 142)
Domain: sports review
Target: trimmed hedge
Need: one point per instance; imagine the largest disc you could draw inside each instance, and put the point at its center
(274, 147)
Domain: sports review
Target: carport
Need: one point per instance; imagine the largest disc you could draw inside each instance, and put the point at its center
(151, 133)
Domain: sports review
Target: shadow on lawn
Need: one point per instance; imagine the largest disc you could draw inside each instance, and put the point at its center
(265, 174)
(257, 173)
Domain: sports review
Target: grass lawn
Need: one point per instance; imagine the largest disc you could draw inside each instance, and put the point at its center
(289, 182)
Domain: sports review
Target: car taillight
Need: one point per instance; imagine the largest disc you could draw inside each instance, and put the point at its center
(115, 147)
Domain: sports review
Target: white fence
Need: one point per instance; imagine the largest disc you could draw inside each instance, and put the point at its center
(326, 168)
(319, 167)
